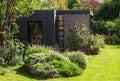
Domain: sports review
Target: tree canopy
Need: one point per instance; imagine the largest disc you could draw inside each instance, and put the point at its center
(108, 10)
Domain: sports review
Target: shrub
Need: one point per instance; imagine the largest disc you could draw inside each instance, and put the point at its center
(50, 64)
(2, 71)
(37, 65)
(117, 21)
(82, 39)
(45, 70)
(109, 28)
(104, 27)
(44, 57)
(97, 42)
(2, 61)
(36, 49)
(99, 27)
(114, 39)
(78, 58)
(67, 69)
(12, 51)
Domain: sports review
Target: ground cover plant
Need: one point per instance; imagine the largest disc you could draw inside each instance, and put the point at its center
(102, 67)
(77, 57)
(43, 63)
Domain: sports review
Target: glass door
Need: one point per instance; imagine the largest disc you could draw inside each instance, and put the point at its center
(35, 32)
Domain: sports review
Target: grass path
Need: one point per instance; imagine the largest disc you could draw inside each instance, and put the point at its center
(102, 67)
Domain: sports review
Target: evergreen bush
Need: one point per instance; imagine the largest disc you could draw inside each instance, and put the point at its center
(36, 49)
(78, 58)
(2, 61)
(67, 69)
(12, 51)
(50, 64)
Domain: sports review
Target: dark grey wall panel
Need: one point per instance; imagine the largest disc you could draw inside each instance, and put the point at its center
(23, 29)
(47, 18)
(62, 12)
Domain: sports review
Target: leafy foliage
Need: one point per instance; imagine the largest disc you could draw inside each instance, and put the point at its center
(45, 70)
(117, 28)
(10, 47)
(108, 10)
(59, 4)
(2, 61)
(74, 4)
(37, 49)
(67, 69)
(110, 58)
(12, 52)
(109, 28)
(78, 58)
(49, 64)
(91, 4)
(82, 37)
(99, 27)
(2, 71)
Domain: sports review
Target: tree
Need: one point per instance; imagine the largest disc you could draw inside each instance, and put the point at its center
(59, 4)
(84, 4)
(91, 4)
(9, 11)
(108, 10)
(74, 4)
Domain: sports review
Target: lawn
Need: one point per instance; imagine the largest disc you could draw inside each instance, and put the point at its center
(102, 67)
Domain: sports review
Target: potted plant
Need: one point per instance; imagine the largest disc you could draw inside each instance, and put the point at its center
(96, 43)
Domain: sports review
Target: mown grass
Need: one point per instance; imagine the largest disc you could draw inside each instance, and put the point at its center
(102, 67)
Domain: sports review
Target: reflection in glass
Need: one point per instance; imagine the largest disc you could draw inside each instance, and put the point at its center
(35, 32)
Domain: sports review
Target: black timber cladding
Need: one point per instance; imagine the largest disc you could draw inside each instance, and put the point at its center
(47, 18)
(23, 29)
(62, 12)
(65, 12)
(70, 18)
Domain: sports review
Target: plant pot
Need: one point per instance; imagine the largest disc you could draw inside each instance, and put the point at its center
(94, 50)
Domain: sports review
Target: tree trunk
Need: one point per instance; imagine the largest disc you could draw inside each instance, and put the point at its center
(9, 14)
(7, 22)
